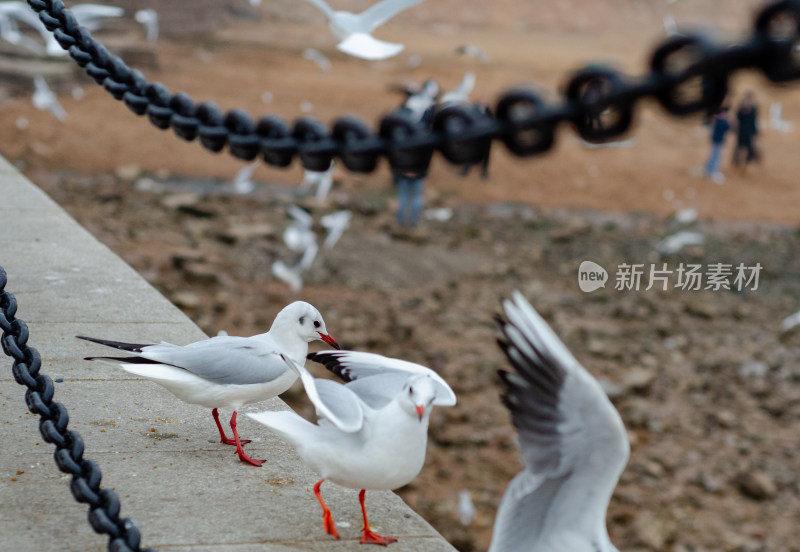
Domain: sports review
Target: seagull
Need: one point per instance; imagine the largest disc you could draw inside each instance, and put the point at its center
(45, 99)
(149, 19)
(10, 14)
(670, 26)
(790, 323)
(462, 92)
(776, 121)
(323, 180)
(288, 274)
(228, 371)
(243, 181)
(374, 430)
(472, 51)
(466, 508)
(298, 236)
(677, 241)
(335, 223)
(353, 30)
(323, 63)
(574, 444)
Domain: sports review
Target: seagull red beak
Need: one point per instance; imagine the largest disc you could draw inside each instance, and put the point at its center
(420, 411)
(329, 340)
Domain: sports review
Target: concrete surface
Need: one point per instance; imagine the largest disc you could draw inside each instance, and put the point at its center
(161, 456)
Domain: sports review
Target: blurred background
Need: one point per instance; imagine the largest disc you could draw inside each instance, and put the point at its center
(707, 381)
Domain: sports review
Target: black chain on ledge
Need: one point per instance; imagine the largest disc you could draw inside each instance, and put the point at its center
(523, 120)
(104, 505)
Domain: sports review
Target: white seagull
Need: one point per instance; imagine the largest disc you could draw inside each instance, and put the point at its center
(10, 14)
(462, 91)
(374, 430)
(323, 63)
(149, 19)
(45, 99)
(228, 371)
(574, 444)
(353, 30)
(323, 180)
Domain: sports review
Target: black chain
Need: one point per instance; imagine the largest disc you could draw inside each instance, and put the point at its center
(522, 120)
(104, 506)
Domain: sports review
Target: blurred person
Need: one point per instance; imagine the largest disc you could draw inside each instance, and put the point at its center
(720, 126)
(482, 109)
(746, 131)
(411, 184)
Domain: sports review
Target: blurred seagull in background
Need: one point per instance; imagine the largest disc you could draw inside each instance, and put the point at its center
(374, 428)
(462, 91)
(243, 181)
(574, 445)
(10, 14)
(677, 241)
(335, 223)
(149, 19)
(323, 180)
(471, 50)
(45, 99)
(353, 30)
(323, 63)
(228, 371)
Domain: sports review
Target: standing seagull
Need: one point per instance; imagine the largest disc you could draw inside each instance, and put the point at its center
(375, 427)
(354, 29)
(228, 371)
(574, 444)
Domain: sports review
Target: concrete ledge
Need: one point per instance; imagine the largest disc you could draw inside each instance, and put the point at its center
(161, 456)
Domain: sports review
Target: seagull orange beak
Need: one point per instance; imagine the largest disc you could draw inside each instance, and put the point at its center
(420, 411)
(329, 340)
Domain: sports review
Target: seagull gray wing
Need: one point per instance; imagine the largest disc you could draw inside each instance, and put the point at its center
(223, 359)
(332, 400)
(357, 365)
(574, 445)
(383, 11)
(326, 9)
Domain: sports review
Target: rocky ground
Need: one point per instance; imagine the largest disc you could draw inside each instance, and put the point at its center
(709, 392)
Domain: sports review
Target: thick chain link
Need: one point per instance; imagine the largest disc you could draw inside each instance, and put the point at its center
(104, 506)
(523, 120)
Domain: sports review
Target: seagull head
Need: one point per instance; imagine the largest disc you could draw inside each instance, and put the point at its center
(304, 319)
(417, 396)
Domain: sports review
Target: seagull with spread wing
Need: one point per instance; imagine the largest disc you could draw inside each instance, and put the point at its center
(374, 428)
(574, 444)
(354, 29)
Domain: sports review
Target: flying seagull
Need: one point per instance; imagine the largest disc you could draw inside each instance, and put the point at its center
(574, 444)
(353, 30)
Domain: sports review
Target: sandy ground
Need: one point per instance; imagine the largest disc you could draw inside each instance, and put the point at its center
(707, 390)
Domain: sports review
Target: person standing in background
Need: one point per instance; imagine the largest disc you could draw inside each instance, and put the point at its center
(746, 131)
(720, 126)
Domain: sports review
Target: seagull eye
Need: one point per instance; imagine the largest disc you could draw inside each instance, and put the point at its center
(302, 320)
(410, 390)
(316, 324)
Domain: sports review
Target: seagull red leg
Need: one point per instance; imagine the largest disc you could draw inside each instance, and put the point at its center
(239, 450)
(222, 438)
(369, 537)
(327, 518)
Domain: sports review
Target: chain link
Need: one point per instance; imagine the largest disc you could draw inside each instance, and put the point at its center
(599, 102)
(104, 506)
